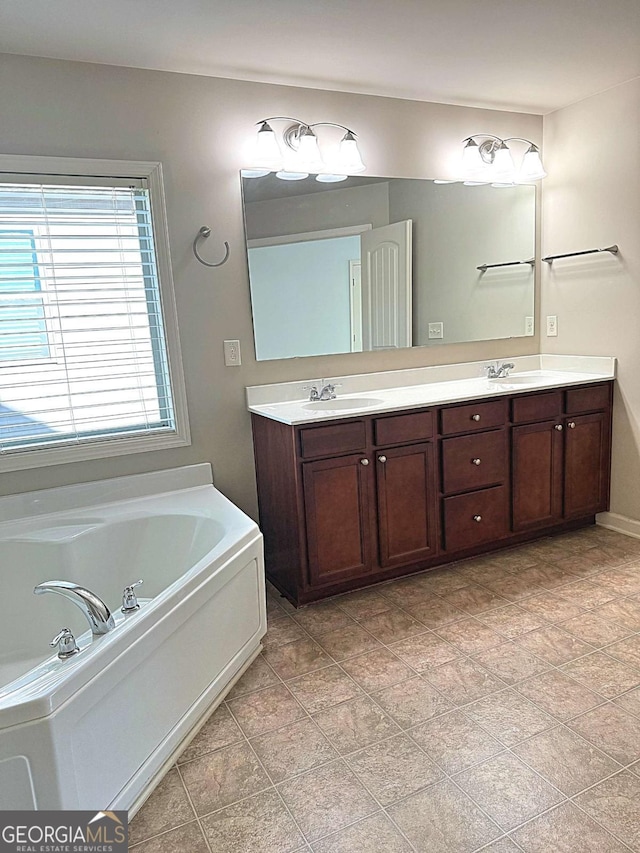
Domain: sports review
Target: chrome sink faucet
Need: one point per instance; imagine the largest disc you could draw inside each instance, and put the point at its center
(95, 610)
(495, 371)
(328, 392)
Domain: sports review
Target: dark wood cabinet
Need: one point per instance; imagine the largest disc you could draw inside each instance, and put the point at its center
(537, 463)
(348, 502)
(586, 467)
(337, 510)
(406, 517)
(561, 466)
(475, 518)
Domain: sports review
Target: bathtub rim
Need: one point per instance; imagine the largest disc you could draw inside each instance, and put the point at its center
(81, 496)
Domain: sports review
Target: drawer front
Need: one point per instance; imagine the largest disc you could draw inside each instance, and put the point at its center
(474, 461)
(472, 417)
(537, 407)
(399, 429)
(592, 399)
(475, 518)
(340, 437)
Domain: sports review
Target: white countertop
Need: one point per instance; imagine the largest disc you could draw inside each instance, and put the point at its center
(375, 393)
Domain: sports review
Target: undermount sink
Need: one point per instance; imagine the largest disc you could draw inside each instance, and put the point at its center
(343, 403)
(522, 379)
(531, 379)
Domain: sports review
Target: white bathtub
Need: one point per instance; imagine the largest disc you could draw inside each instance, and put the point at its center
(96, 730)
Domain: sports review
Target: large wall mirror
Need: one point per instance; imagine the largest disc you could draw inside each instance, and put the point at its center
(378, 263)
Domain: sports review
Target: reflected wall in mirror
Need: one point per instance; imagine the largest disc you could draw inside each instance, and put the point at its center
(379, 263)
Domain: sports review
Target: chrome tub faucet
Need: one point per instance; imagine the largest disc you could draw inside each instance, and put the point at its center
(95, 610)
(495, 371)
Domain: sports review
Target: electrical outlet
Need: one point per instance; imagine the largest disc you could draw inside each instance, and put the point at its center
(436, 330)
(232, 353)
(552, 326)
(528, 326)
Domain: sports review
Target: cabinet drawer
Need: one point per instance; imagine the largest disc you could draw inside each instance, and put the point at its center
(474, 461)
(398, 429)
(537, 407)
(589, 399)
(339, 437)
(475, 518)
(474, 416)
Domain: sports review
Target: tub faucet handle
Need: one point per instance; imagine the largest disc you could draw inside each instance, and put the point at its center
(66, 643)
(129, 598)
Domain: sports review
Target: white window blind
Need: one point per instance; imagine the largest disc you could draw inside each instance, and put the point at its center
(83, 352)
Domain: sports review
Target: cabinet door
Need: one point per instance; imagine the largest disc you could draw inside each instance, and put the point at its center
(407, 498)
(586, 479)
(537, 451)
(336, 495)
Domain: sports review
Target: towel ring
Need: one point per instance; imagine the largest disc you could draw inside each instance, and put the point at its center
(203, 233)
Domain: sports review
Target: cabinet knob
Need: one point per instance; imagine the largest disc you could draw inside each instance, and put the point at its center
(382, 458)
(364, 461)
(559, 427)
(477, 518)
(571, 424)
(475, 417)
(476, 461)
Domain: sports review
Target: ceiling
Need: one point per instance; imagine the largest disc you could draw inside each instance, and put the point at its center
(527, 55)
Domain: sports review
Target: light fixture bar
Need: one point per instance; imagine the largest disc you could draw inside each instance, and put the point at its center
(304, 154)
(491, 161)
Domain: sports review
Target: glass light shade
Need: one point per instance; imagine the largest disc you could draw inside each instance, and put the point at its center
(267, 151)
(503, 168)
(307, 157)
(326, 178)
(472, 163)
(254, 173)
(349, 158)
(291, 176)
(532, 168)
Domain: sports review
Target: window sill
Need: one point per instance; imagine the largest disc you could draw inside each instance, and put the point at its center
(18, 460)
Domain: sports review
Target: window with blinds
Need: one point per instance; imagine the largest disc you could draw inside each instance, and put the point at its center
(83, 349)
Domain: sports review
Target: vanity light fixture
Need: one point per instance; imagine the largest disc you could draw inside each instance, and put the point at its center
(297, 153)
(491, 161)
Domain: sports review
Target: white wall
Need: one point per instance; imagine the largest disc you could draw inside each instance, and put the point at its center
(455, 229)
(318, 211)
(198, 128)
(592, 199)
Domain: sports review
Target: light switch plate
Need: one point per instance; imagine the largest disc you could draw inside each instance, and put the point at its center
(552, 326)
(232, 353)
(436, 330)
(528, 326)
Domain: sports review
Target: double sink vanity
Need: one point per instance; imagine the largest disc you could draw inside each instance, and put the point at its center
(408, 469)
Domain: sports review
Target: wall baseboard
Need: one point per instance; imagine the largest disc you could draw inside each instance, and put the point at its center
(619, 523)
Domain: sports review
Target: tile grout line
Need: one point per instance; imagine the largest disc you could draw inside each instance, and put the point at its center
(193, 808)
(163, 832)
(272, 785)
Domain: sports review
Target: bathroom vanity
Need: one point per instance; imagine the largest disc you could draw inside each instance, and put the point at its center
(403, 477)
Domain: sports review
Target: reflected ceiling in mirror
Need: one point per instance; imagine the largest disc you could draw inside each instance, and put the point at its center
(381, 263)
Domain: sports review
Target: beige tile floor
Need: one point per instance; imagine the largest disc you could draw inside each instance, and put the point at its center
(493, 705)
